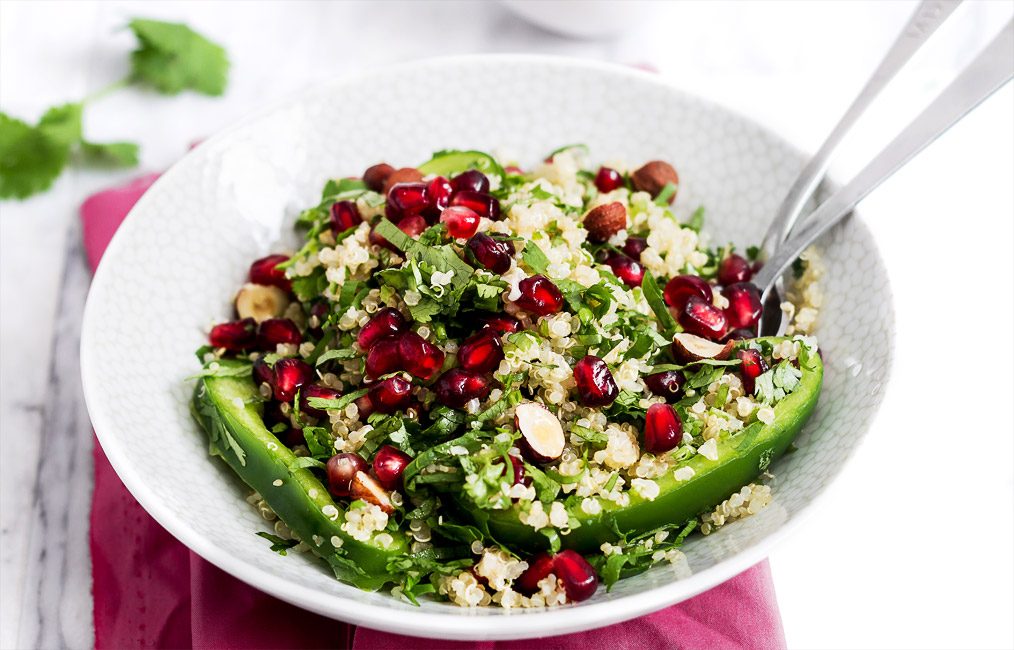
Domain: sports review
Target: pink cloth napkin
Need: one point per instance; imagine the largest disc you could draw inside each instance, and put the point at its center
(151, 591)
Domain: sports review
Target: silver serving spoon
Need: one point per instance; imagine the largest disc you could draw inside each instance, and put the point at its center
(990, 71)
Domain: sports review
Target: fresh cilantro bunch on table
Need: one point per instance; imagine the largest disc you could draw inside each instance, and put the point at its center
(171, 58)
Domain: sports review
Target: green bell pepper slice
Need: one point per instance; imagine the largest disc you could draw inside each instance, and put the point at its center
(229, 410)
(741, 458)
(451, 163)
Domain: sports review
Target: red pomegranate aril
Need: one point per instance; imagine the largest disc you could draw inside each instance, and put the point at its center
(277, 330)
(390, 395)
(318, 316)
(344, 215)
(734, 268)
(663, 429)
(634, 246)
(539, 296)
(262, 372)
(629, 271)
(740, 333)
(481, 352)
(539, 566)
(405, 199)
(579, 578)
(289, 375)
(681, 288)
(744, 310)
(483, 204)
(419, 357)
(607, 180)
(500, 323)
(235, 335)
(751, 367)
(595, 384)
(384, 356)
(493, 254)
(385, 322)
(266, 271)
(438, 193)
(388, 466)
(461, 222)
(703, 319)
(667, 384)
(518, 467)
(341, 469)
(472, 180)
(313, 390)
(458, 386)
(365, 406)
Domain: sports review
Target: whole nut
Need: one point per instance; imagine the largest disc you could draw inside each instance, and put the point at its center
(654, 176)
(604, 221)
(403, 175)
(376, 176)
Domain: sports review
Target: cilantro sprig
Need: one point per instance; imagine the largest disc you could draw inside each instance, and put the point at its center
(171, 58)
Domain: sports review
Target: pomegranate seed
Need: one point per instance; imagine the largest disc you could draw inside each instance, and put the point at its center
(539, 296)
(493, 254)
(313, 390)
(734, 269)
(472, 180)
(663, 429)
(513, 169)
(744, 310)
(385, 322)
(483, 204)
(319, 311)
(405, 199)
(703, 319)
(344, 215)
(500, 323)
(458, 386)
(418, 356)
(626, 269)
(384, 356)
(290, 374)
(266, 271)
(578, 577)
(273, 331)
(341, 469)
(235, 335)
(438, 193)
(292, 437)
(680, 289)
(413, 225)
(520, 476)
(388, 466)
(667, 384)
(461, 222)
(365, 406)
(607, 180)
(390, 395)
(634, 246)
(740, 334)
(481, 352)
(752, 367)
(539, 567)
(595, 384)
(262, 372)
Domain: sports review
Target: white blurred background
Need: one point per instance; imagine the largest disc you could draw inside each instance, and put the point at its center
(914, 548)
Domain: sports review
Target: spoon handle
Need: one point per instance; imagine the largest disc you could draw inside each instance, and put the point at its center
(928, 16)
(990, 71)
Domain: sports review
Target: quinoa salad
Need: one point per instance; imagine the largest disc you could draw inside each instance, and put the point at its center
(505, 386)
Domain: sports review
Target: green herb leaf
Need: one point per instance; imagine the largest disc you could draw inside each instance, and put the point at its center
(657, 303)
(665, 194)
(279, 544)
(172, 58)
(534, 258)
(31, 158)
(338, 403)
(306, 462)
(696, 221)
(110, 154)
(340, 355)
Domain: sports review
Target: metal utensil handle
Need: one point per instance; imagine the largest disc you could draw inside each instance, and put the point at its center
(990, 70)
(928, 16)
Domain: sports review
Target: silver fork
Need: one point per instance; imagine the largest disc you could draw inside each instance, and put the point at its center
(990, 71)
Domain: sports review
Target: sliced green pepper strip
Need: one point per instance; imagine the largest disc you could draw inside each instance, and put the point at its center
(450, 163)
(741, 458)
(229, 410)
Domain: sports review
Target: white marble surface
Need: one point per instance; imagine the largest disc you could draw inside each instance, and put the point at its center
(913, 548)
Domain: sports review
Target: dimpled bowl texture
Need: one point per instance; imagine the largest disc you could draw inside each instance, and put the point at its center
(183, 251)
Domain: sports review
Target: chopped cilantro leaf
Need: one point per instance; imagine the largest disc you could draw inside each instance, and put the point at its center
(172, 57)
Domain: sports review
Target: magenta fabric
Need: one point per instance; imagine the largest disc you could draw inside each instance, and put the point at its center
(150, 591)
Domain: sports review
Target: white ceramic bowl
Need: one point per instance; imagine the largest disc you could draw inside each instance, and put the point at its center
(177, 260)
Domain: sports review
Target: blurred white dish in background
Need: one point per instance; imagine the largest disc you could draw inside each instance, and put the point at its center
(585, 18)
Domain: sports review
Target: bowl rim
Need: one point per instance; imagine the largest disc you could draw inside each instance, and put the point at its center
(541, 623)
